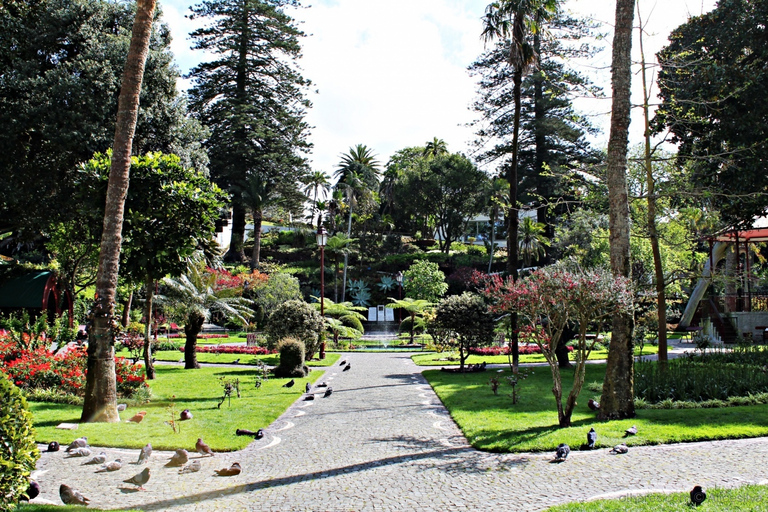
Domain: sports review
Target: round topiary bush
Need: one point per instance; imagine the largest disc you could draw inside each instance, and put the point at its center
(295, 319)
(291, 359)
(18, 451)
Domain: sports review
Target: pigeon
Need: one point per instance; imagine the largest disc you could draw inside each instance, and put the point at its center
(53, 446)
(33, 491)
(631, 431)
(236, 361)
(71, 497)
(80, 452)
(185, 415)
(327, 392)
(245, 432)
(289, 384)
(346, 368)
(309, 397)
(111, 466)
(259, 434)
(137, 418)
(562, 452)
(593, 405)
(121, 407)
(192, 467)
(619, 449)
(144, 454)
(202, 448)
(179, 458)
(308, 387)
(98, 459)
(322, 385)
(698, 495)
(232, 470)
(343, 363)
(591, 438)
(80, 442)
(139, 479)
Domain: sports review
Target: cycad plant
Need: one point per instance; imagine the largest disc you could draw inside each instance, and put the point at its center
(192, 298)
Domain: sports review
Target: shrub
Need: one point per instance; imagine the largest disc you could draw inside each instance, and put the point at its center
(18, 451)
(291, 359)
(424, 280)
(468, 320)
(295, 319)
(418, 325)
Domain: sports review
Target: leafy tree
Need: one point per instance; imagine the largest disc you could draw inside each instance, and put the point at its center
(251, 96)
(280, 288)
(470, 323)
(413, 307)
(170, 214)
(100, 402)
(193, 298)
(712, 82)
(424, 280)
(617, 400)
(61, 63)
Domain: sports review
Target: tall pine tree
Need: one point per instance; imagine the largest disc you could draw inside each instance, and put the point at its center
(251, 97)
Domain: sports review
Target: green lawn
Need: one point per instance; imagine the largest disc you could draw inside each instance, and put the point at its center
(492, 423)
(198, 390)
(440, 359)
(749, 497)
(202, 357)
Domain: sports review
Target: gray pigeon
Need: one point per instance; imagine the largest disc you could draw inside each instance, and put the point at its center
(343, 362)
(309, 397)
(98, 459)
(80, 452)
(121, 407)
(112, 466)
(591, 438)
(179, 458)
(322, 385)
(619, 449)
(139, 479)
(308, 387)
(289, 384)
(80, 442)
(192, 467)
(347, 368)
(328, 392)
(145, 453)
(562, 452)
(71, 497)
(631, 431)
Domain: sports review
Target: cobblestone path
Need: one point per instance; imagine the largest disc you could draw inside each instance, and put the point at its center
(383, 442)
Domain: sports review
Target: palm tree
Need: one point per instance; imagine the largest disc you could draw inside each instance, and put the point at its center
(338, 245)
(100, 387)
(498, 201)
(412, 306)
(345, 313)
(315, 184)
(531, 240)
(192, 298)
(257, 194)
(434, 148)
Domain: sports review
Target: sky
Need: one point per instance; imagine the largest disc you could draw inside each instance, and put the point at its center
(393, 74)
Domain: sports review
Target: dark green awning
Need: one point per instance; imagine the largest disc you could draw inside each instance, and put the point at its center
(27, 291)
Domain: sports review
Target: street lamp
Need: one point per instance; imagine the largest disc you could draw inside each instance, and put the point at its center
(322, 238)
(399, 279)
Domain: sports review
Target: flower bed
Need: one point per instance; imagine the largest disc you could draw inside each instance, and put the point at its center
(199, 336)
(231, 349)
(41, 369)
(507, 350)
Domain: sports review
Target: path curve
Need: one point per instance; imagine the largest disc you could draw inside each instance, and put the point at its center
(384, 442)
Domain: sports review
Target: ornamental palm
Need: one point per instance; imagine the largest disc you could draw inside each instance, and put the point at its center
(413, 307)
(192, 297)
(315, 184)
(532, 242)
(434, 148)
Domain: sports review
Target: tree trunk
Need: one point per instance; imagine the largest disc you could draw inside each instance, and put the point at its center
(617, 400)
(413, 325)
(256, 255)
(127, 310)
(346, 259)
(236, 252)
(100, 389)
(149, 291)
(543, 181)
(191, 329)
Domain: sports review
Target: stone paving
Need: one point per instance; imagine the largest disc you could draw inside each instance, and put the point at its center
(383, 442)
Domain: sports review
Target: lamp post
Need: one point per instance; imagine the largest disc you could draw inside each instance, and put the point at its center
(322, 238)
(399, 279)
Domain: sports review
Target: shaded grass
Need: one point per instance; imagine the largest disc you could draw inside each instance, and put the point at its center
(198, 390)
(748, 497)
(493, 423)
(434, 358)
(245, 359)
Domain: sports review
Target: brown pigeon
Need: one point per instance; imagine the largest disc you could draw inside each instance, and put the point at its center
(594, 405)
(139, 479)
(232, 470)
(185, 415)
(192, 467)
(71, 497)
(33, 491)
(179, 458)
(202, 448)
(137, 418)
(80, 442)
(145, 454)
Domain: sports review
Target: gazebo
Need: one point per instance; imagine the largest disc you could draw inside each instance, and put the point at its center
(37, 293)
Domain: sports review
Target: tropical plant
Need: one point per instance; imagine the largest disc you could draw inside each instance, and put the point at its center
(413, 307)
(531, 240)
(434, 148)
(424, 280)
(316, 184)
(193, 298)
(387, 283)
(360, 292)
(337, 328)
(338, 245)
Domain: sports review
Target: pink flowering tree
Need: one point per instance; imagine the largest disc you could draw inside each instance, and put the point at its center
(551, 298)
